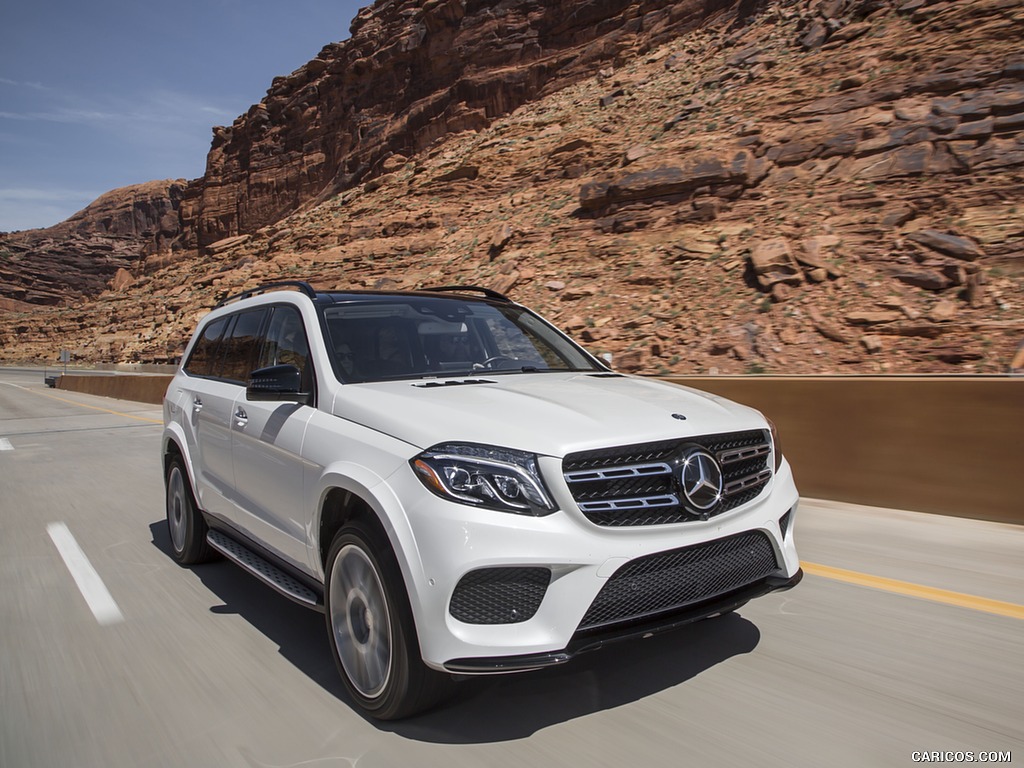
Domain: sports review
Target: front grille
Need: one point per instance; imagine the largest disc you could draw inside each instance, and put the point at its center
(499, 595)
(670, 581)
(640, 484)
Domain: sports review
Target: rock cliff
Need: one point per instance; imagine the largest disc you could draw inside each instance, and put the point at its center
(795, 187)
(81, 256)
(411, 74)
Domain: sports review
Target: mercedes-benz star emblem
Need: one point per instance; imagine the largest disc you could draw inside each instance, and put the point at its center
(701, 478)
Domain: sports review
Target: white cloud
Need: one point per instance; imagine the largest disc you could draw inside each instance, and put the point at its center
(23, 84)
(162, 108)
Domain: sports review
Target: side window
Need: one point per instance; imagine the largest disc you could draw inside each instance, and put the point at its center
(285, 342)
(241, 346)
(204, 355)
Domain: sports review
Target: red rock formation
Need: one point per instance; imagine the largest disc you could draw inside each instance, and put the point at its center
(412, 73)
(819, 186)
(81, 255)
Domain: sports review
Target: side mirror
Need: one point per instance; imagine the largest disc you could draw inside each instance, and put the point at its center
(277, 383)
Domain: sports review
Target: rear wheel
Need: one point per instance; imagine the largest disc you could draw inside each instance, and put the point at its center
(371, 629)
(185, 523)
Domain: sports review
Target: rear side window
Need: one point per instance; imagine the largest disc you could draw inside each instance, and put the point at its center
(228, 347)
(203, 360)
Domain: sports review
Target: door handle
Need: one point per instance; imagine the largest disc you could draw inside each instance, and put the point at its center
(241, 418)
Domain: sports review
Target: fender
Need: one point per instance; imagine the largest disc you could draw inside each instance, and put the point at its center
(380, 497)
(173, 433)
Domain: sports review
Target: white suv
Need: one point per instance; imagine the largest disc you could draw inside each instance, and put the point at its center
(459, 487)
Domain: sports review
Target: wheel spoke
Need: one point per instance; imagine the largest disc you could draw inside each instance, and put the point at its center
(177, 509)
(360, 621)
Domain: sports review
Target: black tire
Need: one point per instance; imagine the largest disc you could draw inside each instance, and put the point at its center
(371, 629)
(185, 522)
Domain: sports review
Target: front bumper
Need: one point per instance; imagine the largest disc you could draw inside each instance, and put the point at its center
(452, 540)
(584, 642)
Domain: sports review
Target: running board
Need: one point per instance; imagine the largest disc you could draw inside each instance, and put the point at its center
(263, 570)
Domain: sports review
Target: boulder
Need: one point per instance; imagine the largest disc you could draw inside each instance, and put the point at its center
(670, 181)
(951, 245)
(772, 262)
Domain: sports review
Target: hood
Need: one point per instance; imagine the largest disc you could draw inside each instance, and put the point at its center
(545, 413)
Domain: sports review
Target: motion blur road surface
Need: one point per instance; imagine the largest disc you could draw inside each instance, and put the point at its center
(905, 636)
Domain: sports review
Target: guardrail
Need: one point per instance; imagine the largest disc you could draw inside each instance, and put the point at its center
(948, 445)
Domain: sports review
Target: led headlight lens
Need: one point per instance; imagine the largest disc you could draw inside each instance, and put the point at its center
(485, 476)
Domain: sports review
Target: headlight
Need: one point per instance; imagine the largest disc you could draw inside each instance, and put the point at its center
(776, 445)
(485, 476)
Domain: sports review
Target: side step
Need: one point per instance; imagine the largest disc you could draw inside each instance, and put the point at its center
(263, 570)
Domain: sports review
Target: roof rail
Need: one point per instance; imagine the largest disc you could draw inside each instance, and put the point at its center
(470, 288)
(305, 287)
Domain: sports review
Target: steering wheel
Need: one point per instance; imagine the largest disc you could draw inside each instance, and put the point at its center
(493, 362)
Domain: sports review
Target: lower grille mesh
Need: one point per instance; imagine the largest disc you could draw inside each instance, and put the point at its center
(680, 578)
(499, 595)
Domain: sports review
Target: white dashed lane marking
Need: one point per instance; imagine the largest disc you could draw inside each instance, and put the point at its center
(89, 582)
(5, 444)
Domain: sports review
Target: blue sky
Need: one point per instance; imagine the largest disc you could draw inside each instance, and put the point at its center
(102, 94)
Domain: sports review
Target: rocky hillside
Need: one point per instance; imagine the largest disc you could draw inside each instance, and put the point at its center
(412, 73)
(83, 256)
(786, 187)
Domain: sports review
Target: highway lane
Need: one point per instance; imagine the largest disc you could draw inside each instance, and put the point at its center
(206, 667)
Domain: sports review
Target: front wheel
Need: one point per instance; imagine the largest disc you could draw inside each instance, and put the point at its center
(371, 629)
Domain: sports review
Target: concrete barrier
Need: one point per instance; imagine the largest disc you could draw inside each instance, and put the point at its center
(140, 388)
(952, 446)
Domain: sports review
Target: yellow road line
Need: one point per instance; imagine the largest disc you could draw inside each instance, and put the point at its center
(92, 407)
(998, 607)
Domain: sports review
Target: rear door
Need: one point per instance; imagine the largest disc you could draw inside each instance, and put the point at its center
(206, 406)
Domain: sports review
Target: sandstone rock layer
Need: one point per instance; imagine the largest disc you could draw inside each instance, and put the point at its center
(793, 187)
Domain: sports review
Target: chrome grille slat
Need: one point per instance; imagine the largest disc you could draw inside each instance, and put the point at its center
(618, 473)
(643, 502)
(730, 457)
(736, 486)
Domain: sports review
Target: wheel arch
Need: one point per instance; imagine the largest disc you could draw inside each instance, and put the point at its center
(347, 493)
(173, 444)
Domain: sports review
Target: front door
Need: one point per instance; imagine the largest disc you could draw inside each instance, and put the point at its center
(267, 447)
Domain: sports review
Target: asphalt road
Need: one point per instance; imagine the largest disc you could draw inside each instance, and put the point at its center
(150, 664)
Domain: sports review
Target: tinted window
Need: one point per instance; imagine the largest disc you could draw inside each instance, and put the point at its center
(520, 342)
(241, 345)
(416, 336)
(286, 341)
(202, 361)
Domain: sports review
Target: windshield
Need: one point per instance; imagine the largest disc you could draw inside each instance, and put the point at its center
(400, 337)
